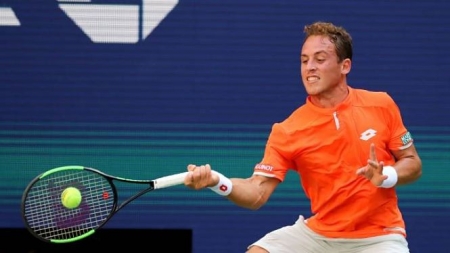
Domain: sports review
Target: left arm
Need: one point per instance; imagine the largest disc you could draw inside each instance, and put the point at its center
(408, 165)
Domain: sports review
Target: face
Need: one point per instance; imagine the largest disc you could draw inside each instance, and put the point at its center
(320, 70)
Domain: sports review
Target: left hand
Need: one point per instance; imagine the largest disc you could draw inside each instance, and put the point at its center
(373, 171)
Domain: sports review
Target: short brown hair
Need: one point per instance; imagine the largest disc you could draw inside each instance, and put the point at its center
(337, 34)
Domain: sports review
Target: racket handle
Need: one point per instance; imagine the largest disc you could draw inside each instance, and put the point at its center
(168, 181)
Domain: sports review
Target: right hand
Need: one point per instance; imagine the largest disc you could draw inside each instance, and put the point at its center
(200, 177)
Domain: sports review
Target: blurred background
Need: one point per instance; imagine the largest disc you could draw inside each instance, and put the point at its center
(140, 89)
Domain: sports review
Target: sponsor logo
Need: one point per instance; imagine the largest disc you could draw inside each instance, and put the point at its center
(8, 17)
(223, 188)
(406, 138)
(264, 167)
(368, 134)
(108, 23)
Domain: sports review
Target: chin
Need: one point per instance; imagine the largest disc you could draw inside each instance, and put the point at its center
(313, 91)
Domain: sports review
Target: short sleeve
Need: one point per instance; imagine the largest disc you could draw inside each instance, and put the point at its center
(277, 155)
(400, 137)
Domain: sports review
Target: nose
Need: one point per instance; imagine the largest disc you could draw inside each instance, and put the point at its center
(310, 65)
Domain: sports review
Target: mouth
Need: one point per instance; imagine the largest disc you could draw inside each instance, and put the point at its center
(312, 79)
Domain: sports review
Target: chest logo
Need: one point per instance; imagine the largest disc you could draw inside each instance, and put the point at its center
(368, 134)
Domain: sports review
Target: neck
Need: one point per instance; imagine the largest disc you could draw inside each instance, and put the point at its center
(330, 99)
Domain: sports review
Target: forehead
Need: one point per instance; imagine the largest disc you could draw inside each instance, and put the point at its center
(318, 43)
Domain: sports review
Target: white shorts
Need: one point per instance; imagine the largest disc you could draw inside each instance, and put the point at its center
(299, 238)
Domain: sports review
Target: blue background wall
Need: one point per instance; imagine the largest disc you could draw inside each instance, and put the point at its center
(205, 87)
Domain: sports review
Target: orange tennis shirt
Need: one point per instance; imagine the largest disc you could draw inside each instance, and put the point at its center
(326, 146)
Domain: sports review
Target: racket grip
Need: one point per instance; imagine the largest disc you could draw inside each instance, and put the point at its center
(168, 181)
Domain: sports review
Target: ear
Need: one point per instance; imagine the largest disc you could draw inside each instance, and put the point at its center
(346, 66)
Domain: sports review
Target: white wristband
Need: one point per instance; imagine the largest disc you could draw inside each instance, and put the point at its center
(392, 177)
(224, 186)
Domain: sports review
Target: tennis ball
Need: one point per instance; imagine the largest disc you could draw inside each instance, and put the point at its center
(71, 197)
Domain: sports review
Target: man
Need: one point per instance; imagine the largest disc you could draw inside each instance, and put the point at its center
(350, 149)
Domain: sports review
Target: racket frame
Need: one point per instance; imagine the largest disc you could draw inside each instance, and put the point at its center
(158, 183)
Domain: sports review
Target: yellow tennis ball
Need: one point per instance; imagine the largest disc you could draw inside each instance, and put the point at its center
(71, 197)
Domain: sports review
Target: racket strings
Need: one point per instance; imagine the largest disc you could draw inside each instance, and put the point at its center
(49, 219)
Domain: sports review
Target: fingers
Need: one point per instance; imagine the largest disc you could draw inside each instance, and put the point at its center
(190, 167)
(198, 177)
(372, 162)
(384, 177)
(373, 155)
(373, 171)
(361, 171)
(188, 180)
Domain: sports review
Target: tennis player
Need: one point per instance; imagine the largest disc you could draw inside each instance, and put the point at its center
(350, 149)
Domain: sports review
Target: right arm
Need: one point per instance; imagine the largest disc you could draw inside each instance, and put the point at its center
(251, 193)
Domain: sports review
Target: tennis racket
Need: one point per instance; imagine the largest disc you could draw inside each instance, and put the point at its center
(48, 219)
